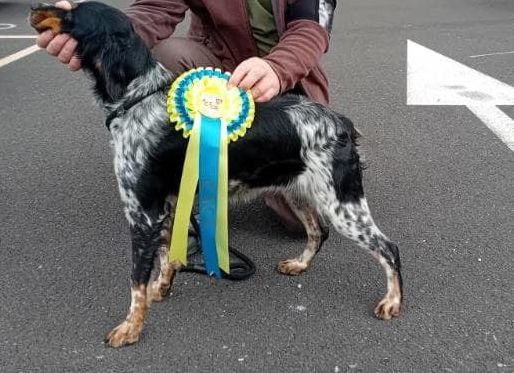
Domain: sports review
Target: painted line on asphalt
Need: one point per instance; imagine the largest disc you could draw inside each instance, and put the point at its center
(497, 121)
(18, 36)
(6, 26)
(434, 79)
(491, 54)
(20, 54)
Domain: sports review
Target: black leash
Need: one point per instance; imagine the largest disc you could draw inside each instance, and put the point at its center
(239, 270)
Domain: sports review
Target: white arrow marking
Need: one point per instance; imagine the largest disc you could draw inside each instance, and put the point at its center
(497, 121)
(433, 79)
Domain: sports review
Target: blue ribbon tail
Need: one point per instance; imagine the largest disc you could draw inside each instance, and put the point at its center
(208, 191)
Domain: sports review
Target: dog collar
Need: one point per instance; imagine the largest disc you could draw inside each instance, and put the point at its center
(128, 104)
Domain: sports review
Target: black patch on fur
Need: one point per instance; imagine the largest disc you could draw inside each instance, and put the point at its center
(145, 242)
(346, 168)
(269, 153)
(163, 172)
(392, 254)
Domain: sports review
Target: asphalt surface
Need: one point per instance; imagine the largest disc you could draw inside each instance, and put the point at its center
(438, 182)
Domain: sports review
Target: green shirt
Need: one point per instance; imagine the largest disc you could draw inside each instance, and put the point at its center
(262, 22)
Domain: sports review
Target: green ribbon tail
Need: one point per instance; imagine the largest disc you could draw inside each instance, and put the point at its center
(186, 197)
(222, 211)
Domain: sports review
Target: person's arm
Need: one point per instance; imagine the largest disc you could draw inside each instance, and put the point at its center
(299, 49)
(155, 20)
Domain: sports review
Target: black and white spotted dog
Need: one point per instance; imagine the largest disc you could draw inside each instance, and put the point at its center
(296, 147)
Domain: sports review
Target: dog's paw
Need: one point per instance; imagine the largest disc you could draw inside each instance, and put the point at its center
(388, 308)
(292, 267)
(124, 334)
(159, 291)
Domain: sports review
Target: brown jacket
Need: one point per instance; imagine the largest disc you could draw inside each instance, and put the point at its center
(224, 27)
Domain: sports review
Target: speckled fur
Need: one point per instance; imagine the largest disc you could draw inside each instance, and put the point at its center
(139, 130)
(296, 147)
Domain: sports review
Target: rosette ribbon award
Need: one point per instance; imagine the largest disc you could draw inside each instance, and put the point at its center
(210, 115)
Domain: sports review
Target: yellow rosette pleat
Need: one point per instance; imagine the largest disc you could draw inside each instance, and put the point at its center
(186, 197)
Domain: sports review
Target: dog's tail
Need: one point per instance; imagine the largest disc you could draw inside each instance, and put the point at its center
(350, 127)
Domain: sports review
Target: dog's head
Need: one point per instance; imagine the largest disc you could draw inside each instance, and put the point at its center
(107, 44)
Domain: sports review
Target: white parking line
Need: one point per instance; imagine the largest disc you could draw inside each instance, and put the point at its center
(18, 36)
(20, 54)
(491, 54)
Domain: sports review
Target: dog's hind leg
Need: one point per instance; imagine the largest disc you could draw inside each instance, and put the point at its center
(333, 181)
(353, 220)
(316, 235)
(145, 229)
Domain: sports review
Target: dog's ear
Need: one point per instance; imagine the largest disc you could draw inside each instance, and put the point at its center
(111, 66)
(122, 59)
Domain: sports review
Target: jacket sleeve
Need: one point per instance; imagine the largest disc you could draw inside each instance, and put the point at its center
(304, 41)
(155, 20)
(300, 49)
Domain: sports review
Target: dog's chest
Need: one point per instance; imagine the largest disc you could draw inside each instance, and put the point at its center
(137, 135)
(131, 148)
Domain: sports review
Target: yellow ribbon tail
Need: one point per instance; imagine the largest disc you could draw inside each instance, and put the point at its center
(222, 211)
(186, 197)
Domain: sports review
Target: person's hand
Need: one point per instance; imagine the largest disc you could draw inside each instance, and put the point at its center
(256, 75)
(62, 45)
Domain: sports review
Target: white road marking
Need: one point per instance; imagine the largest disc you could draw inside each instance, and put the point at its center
(6, 26)
(434, 79)
(18, 36)
(497, 121)
(491, 54)
(20, 54)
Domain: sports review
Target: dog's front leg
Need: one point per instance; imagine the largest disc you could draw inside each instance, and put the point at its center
(160, 288)
(146, 239)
